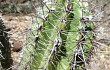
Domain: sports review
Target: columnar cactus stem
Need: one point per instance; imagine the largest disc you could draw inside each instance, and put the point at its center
(57, 29)
(84, 44)
(5, 47)
(61, 28)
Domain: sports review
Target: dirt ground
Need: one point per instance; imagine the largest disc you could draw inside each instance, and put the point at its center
(19, 25)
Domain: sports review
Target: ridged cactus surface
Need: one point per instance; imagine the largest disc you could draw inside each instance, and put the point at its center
(60, 38)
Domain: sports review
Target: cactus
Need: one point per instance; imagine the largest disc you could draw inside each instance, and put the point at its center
(58, 31)
(84, 46)
(5, 48)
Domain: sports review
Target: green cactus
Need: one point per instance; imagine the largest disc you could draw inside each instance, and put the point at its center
(58, 33)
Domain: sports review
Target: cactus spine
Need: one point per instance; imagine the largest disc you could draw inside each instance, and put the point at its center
(5, 48)
(57, 34)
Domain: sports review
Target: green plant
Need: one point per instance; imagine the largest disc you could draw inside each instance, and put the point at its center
(58, 31)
